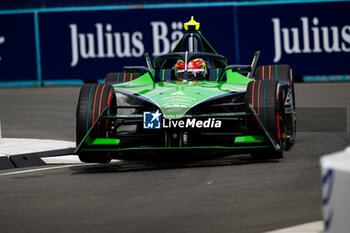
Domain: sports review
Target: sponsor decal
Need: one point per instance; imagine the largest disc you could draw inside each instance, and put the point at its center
(109, 44)
(316, 38)
(192, 123)
(153, 120)
(2, 40)
(105, 42)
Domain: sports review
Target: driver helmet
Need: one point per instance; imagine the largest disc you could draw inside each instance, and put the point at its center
(196, 69)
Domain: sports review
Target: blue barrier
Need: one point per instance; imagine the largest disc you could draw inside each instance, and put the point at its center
(313, 38)
(61, 46)
(17, 49)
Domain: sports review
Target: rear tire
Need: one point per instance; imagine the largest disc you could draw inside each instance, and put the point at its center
(266, 97)
(115, 77)
(93, 99)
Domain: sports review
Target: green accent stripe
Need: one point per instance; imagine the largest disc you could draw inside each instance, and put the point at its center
(217, 74)
(256, 138)
(163, 75)
(118, 77)
(104, 141)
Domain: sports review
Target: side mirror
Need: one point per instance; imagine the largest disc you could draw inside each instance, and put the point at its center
(239, 68)
(236, 68)
(138, 70)
(135, 69)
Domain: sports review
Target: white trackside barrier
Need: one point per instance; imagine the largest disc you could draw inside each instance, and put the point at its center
(336, 191)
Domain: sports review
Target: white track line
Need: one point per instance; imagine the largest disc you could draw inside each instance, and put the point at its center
(44, 169)
(311, 227)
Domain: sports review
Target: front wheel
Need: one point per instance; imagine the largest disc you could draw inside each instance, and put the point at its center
(283, 74)
(93, 99)
(267, 99)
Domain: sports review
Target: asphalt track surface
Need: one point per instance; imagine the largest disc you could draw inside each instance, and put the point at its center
(232, 194)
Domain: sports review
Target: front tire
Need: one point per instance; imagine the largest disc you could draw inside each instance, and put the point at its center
(93, 99)
(283, 74)
(267, 99)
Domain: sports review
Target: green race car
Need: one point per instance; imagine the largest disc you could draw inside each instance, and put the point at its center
(187, 101)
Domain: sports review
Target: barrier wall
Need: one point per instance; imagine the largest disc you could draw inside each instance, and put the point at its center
(314, 38)
(335, 191)
(17, 48)
(61, 46)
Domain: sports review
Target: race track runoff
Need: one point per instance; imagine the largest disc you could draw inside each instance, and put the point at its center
(232, 194)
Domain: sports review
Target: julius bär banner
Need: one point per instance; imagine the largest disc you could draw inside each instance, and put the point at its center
(313, 38)
(87, 45)
(65, 44)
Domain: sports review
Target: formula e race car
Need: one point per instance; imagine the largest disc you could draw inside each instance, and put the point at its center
(189, 100)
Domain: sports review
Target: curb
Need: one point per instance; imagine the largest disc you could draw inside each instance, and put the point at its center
(14, 152)
(5, 162)
(34, 159)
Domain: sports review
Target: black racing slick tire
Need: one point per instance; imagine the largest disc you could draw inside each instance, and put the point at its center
(282, 73)
(114, 77)
(266, 97)
(93, 99)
